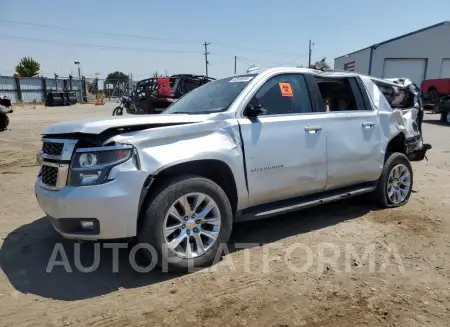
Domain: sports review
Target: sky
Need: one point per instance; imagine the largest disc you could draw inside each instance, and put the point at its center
(140, 37)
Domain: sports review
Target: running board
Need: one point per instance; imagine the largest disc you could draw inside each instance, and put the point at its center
(286, 206)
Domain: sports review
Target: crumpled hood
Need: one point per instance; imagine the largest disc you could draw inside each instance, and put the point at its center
(99, 125)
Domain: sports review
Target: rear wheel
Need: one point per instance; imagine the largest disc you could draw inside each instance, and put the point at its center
(132, 110)
(186, 220)
(396, 181)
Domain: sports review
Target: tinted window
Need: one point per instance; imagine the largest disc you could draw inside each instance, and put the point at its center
(337, 94)
(284, 94)
(211, 97)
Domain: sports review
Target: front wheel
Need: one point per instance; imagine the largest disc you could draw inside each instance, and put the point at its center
(396, 182)
(118, 111)
(186, 220)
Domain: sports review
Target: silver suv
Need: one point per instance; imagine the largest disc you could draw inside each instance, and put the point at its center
(239, 148)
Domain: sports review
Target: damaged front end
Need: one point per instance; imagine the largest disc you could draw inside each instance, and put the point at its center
(404, 99)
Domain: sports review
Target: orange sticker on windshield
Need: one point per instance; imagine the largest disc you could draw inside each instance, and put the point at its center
(286, 89)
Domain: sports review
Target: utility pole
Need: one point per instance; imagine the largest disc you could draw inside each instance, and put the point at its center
(79, 80)
(310, 51)
(235, 59)
(206, 56)
(130, 84)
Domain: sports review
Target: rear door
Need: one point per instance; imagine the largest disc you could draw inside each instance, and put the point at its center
(285, 149)
(353, 133)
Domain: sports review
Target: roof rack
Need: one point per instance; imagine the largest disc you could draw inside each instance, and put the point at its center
(334, 70)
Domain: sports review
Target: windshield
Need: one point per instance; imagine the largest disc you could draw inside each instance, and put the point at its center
(211, 97)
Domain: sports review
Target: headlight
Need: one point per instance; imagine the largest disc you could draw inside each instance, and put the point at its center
(91, 166)
(88, 159)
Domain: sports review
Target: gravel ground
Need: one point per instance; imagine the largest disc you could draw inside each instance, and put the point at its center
(302, 269)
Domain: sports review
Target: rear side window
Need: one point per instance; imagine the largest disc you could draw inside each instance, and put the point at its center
(398, 96)
(284, 94)
(340, 94)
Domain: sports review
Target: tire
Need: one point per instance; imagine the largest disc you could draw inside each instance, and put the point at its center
(156, 217)
(117, 111)
(132, 110)
(4, 122)
(381, 194)
(433, 95)
(445, 117)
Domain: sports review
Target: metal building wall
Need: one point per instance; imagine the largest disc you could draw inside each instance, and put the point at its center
(431, 44)
(32, 90)
(360, 58)
(8, 88)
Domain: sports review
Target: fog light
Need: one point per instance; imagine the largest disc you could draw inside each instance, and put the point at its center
(39, 158)
(87, 224)
(89, 178)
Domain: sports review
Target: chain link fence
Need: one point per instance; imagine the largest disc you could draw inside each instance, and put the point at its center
(112, 90)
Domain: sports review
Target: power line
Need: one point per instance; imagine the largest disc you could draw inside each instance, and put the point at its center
(131, 49)
(131, 36)
(84, 45)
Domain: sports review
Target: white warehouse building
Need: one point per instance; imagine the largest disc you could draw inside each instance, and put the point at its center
(419, 55)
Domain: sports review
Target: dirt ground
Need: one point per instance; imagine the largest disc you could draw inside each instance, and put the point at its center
(302, 269)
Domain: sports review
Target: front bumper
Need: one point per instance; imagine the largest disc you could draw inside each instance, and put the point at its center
(112, 207)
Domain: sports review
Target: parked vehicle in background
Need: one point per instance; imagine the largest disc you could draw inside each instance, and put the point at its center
(127, 103)
(442, 107)
(154, 95)
(240, 148)
(434, 89)
(5, 109)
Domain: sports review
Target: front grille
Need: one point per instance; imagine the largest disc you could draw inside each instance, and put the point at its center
(54, 149)
(49, 175)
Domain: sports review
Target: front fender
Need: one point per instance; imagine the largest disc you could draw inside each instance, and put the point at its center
(206, 141)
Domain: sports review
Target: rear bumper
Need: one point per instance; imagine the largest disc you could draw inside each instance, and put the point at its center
(112, 208)
(415, 148)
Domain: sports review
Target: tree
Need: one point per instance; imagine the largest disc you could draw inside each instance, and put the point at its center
(318, 64)
(119, 83)
(115, 77)
(28, 67)
(322, 64)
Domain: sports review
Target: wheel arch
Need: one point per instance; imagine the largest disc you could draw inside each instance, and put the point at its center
(216, 170)
(432, 88)
(396, 144)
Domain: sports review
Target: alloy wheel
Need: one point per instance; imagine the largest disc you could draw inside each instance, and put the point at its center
(399, 184)
(192, 225)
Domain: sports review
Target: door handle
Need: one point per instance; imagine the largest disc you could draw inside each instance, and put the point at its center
(313, 129)
(368, 125)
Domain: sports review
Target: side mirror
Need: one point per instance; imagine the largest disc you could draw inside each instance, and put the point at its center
(254, 109)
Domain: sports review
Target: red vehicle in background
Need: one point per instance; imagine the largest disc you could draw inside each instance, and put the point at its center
(434, 89)
(154, 95)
